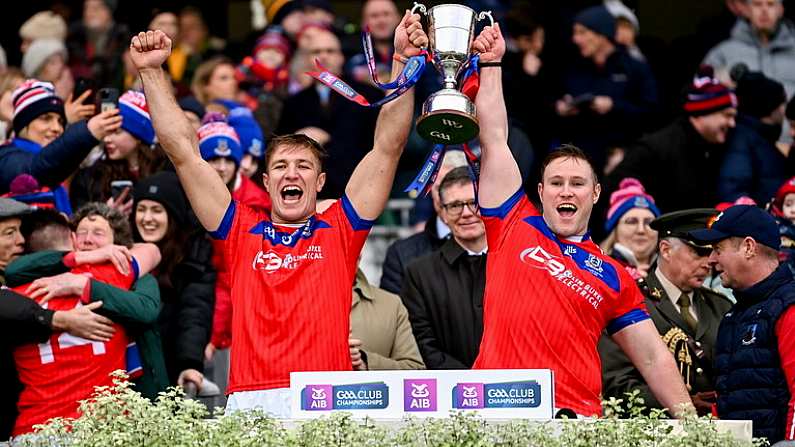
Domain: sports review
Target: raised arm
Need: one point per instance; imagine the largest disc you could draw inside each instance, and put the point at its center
(371, 182)
(500, 177)
(206, 192)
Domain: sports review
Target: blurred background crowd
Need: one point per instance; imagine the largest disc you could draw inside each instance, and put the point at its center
(680, 104)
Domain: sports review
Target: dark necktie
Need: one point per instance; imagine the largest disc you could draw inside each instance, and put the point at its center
(684, 309)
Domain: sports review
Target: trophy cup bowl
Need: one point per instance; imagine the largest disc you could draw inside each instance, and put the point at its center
(448, 116)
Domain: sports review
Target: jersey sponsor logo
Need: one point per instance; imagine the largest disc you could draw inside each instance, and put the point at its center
(419, 395)
(525, 394)
(359, 396)
(583, 259)
(271, 261)
(539, 258)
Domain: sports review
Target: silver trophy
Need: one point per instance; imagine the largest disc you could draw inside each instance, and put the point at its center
(448, 116)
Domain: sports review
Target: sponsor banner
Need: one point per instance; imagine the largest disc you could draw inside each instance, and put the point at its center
(524, 394)
(495, 394)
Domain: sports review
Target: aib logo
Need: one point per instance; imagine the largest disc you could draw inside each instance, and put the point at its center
(468, 396)
(359, 396)
(419, 395)
(471, 396)
(317, 397)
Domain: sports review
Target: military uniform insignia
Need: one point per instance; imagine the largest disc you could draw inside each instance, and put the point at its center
(676, 341)
(656, 293)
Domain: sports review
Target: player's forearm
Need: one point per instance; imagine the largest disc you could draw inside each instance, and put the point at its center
(174, 132)
(395, 120)
(206, 192)
(490, 104)
(500, 176)
(662, 376)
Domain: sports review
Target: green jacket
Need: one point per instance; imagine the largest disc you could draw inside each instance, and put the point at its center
(136, 309)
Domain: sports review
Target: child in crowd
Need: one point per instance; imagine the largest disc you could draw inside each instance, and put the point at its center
(783, 209)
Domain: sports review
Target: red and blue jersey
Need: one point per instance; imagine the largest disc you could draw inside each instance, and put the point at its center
(64, 370)
(291, 293)
(547, 301)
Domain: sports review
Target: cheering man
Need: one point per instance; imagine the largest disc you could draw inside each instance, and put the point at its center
(291, 269)
(550, 291)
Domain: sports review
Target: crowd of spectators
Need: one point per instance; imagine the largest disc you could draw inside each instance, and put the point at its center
(668, 163)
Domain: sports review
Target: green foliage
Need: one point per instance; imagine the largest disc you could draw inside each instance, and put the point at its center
(119, 416)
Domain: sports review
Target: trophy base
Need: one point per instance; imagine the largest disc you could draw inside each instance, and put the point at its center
(448, 117)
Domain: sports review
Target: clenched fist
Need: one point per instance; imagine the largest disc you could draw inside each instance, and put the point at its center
(150, 49)
(490, 44)
(409, 36)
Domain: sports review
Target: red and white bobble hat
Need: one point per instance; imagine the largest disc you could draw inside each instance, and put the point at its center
(32, 99)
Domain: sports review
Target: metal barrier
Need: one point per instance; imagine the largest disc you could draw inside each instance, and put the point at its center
(382, 236)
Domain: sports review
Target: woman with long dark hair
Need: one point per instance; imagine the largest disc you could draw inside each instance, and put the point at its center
(185, 274)
(131, 153)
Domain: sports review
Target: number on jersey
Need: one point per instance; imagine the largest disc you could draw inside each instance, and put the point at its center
(65, 341)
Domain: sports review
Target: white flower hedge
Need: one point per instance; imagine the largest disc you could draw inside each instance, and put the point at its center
(119, 416)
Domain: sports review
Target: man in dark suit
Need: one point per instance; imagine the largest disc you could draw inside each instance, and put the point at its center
(436, 232)
(686, 314)
(443, 290)
(344, 128)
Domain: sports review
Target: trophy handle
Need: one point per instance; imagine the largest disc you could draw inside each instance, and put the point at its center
(419, 6)
(485, 14)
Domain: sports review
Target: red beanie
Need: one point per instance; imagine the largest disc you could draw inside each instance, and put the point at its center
(707, 95)
(778, 201)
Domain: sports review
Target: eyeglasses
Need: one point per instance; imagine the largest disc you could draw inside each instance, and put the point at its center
(456, 208)
(634, 221)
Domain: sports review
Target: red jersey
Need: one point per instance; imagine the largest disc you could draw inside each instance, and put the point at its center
(56, 375)
(785, 332)
(291, 293)
(548, 300)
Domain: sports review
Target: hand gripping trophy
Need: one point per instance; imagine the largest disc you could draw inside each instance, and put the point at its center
(448, 116)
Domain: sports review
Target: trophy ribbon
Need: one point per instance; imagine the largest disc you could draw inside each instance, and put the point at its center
(429, 170)
(406, 79)
(471, 83)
